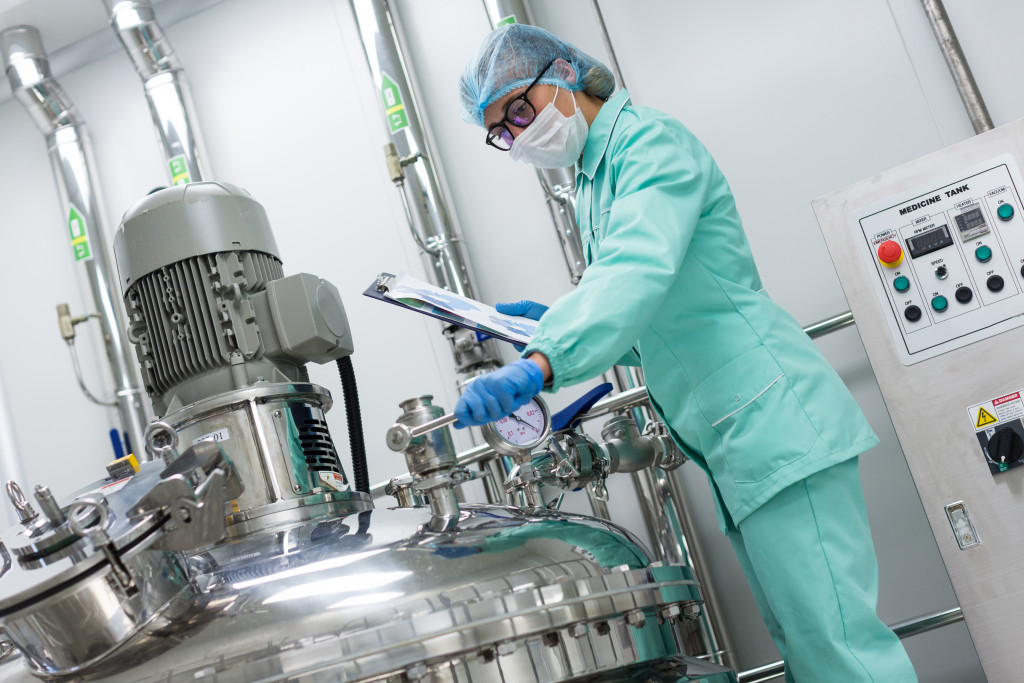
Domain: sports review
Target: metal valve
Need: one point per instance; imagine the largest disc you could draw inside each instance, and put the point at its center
(400, 436)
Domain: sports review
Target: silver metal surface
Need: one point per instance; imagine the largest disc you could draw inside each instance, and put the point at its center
(427, 204)
(276, 437)
(167, 91)
(377, 596)
(26, 513)
(613, 61)
(829, 325)
(70, 151)
(970, 95)
(928, 403)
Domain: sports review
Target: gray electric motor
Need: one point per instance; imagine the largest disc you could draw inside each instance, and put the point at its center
(209, 307)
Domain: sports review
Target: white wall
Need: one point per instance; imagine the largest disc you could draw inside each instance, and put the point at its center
(794, 98)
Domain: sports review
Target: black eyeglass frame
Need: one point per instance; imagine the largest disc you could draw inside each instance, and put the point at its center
(490, 131)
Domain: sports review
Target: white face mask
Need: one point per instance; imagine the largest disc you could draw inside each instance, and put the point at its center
(553, 140)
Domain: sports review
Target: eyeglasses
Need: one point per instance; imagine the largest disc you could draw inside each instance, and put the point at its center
(519, 112)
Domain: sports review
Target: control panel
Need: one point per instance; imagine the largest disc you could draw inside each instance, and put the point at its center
(949, 259)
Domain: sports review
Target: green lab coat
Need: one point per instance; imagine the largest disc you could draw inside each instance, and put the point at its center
(744, 391)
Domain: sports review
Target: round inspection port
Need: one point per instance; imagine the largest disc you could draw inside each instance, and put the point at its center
(912, 313)
(994, 283)
(964, 295)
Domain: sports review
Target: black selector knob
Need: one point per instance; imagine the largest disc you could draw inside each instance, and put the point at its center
(964, 295)
(994, 283)
(912, 313)
(1006, 446)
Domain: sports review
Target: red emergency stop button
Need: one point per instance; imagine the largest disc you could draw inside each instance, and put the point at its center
(890, 254)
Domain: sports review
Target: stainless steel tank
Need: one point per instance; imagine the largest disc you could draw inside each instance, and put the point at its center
(246, 556)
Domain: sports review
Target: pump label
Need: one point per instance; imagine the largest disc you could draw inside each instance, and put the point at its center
(179, 170)
(79, 234)
(333, 480)
(216, 437)
(394, 109)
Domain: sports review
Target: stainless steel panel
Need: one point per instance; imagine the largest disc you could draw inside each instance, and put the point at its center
(928, 400)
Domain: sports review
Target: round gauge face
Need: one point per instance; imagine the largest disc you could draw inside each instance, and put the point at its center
(525, 427)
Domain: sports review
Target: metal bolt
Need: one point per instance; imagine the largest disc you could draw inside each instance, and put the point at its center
(277, 413)
(50, 506)
(670, 611)
(578, 630)
(26, 513)
(506, 648)
(691, 611)
(636, 618)
(297, 488)
(416, 671)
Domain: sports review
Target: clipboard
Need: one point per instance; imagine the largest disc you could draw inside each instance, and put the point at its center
(378, 289)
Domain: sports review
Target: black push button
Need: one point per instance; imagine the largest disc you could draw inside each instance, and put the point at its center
(912, 313)
(964, 295)
(995, 283)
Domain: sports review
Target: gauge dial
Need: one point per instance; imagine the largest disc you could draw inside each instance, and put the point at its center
(521, 431)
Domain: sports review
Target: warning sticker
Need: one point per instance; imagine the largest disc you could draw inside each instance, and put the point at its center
(985, 418)
(999, 428)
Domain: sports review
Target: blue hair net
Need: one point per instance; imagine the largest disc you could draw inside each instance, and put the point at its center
(512, 56)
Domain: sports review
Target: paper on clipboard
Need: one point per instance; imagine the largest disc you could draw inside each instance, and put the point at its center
(425, 298)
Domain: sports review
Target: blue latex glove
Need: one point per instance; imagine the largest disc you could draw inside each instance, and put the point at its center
(525, 309)
(492, 396)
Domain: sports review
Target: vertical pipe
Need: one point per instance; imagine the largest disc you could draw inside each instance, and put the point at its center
(431, 219)
(67, 140)
(167, 91)
(10, 466)
(559, 184)
(958, 66)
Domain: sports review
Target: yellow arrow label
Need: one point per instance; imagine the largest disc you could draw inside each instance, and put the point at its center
(985, 418)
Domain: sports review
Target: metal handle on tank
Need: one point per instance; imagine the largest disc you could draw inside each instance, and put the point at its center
(399, 436)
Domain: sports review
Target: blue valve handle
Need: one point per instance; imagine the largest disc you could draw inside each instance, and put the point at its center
(572, 415)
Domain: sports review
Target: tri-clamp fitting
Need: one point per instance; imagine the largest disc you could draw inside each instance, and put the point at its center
(421, 432)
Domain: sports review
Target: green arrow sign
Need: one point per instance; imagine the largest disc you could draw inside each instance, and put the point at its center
(393, 107)
(79, 234)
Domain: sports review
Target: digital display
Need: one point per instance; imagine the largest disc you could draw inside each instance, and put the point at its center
(971, 223)
(930, 241)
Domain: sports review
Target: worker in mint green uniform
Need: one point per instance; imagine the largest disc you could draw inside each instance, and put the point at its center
(671, 285)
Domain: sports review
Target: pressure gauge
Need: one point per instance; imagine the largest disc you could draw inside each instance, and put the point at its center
(522, 431)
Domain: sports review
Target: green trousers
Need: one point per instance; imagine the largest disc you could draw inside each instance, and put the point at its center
(808, 556)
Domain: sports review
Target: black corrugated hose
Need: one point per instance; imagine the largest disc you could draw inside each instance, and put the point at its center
(360, 475)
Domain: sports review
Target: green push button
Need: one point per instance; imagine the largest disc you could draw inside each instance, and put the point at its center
(901, 283)
(939, 303)
(1005, 211)
(983, 253)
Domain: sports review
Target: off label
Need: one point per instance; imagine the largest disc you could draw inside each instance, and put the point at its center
(999, 429)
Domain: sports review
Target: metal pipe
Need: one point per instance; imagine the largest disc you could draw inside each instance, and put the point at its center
(828, 325)
(67, 140)
(167, 91)
(669, 522)
(426, 203)
(559, 184)
(903, 629)
(612, 59)
(958, 66)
